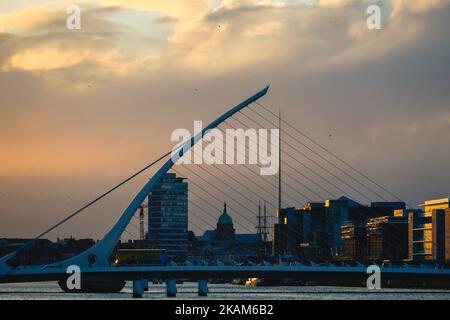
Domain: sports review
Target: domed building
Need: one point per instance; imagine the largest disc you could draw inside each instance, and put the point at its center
(225, 229)
(224, 240)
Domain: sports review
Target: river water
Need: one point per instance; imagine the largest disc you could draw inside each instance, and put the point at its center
(51, 291)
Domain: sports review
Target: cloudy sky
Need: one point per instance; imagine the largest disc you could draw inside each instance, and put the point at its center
(81, 109)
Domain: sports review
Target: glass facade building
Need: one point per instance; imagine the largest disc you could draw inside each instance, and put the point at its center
(314, 232)
(430, 232)
(168, 216)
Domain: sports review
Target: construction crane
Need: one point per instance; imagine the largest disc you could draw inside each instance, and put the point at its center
(141, 221)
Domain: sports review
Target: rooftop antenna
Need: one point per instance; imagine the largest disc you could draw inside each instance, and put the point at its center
(265, 228)
(259, 227)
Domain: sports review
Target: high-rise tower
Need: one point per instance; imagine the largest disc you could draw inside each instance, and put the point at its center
(168, 216)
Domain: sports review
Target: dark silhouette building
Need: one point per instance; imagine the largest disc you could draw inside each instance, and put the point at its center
(44, 251)
(225, 230)
(225, 241)
(387, 238)
(355, 242)
(302, 232)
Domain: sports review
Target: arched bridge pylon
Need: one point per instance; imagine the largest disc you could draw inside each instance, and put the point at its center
(99, 254)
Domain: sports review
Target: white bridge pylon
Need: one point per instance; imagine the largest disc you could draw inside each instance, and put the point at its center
(99, 254)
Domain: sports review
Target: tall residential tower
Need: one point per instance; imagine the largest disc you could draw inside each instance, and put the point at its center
(168, 216)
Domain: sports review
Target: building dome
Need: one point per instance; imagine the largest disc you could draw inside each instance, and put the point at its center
(225, 217)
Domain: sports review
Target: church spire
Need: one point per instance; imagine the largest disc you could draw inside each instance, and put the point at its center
(224, 207)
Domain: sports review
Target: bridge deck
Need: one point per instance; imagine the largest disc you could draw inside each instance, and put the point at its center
(24, 274)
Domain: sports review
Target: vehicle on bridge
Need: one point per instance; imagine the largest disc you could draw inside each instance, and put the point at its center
(148, 257)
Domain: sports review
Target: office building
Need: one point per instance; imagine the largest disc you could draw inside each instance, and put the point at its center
(345, 210)
(338, 214)
(168, 216)
(316, 229)
(302, 232)
(387, 238)
(430, 232)
(354, 241)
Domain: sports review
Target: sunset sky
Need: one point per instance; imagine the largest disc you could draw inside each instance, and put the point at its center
(82, 109)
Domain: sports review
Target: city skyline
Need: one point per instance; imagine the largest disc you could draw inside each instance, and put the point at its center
(80, 110)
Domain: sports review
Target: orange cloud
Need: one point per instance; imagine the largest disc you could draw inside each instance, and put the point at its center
(45, 58)
(26, 20)
(416, 5)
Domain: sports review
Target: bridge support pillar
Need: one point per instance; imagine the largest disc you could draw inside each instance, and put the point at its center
(203, 288)
(171, 286)
(145, 284)
(138, 289)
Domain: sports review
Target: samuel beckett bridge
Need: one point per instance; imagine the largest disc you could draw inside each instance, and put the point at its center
(315, 180)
